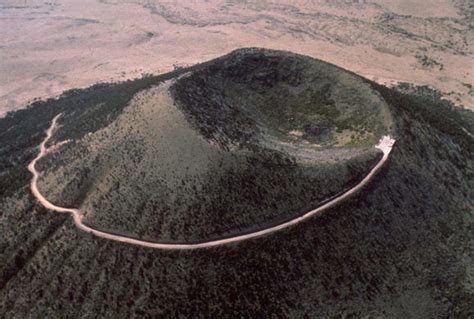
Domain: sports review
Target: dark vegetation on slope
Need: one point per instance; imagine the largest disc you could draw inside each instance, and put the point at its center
(241, 192)
(84, 111)
(263, 189)
(399, 249)
(255, 92)
(456, 122)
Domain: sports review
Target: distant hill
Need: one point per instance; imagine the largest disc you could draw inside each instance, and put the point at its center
(226, 147)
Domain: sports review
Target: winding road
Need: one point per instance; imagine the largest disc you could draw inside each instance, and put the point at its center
(385, 144)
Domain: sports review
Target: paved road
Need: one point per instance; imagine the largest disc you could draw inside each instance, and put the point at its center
(385, 144)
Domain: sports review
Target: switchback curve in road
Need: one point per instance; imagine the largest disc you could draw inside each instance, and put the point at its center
(385, 144)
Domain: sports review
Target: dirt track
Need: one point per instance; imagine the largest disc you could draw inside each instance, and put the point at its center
(385, 144)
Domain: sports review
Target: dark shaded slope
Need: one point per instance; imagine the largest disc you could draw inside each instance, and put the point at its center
(253, 93)
(84, 111)
(400, 249)
(127, 185)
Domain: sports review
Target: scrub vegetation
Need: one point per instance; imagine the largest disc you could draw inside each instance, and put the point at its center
(253, 94)
(400, 248)
(154, 174)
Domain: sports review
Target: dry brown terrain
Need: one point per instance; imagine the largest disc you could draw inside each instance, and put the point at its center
(51, 46)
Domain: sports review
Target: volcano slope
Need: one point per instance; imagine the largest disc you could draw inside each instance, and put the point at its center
(251, 140)
(136, 151)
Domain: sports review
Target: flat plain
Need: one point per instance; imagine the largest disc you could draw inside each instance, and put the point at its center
(49, 47)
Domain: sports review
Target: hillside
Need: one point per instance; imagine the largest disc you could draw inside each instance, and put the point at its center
(281, 97)
(231, 164)
(143, 159)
